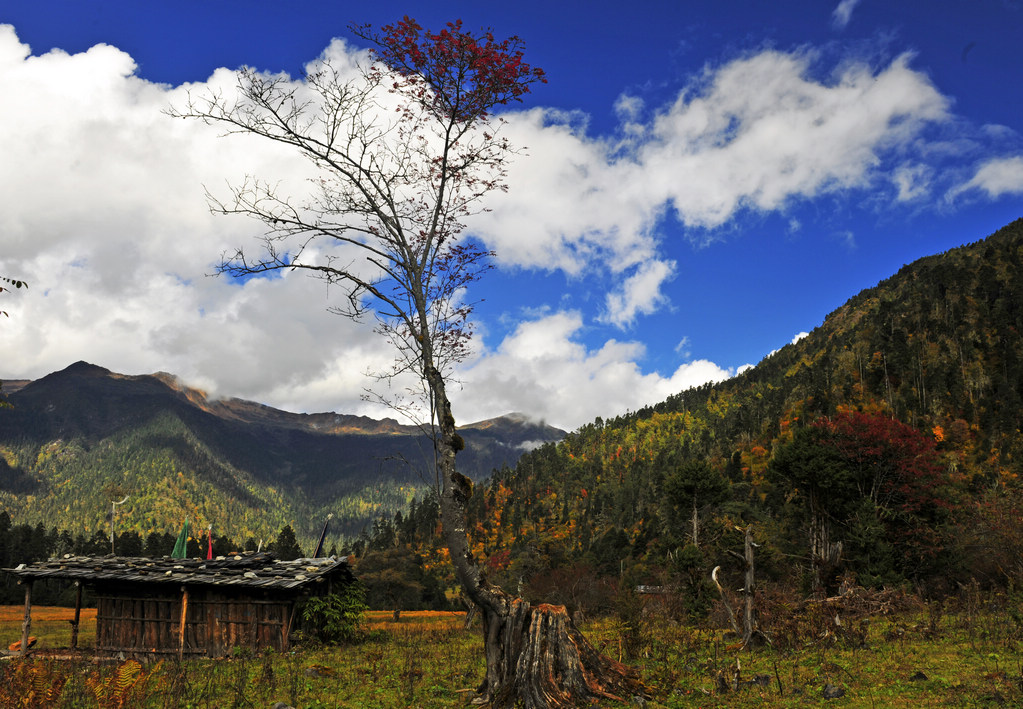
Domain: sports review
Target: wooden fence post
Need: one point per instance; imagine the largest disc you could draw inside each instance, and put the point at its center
(27, 624)
(78, 614)
(184, 613)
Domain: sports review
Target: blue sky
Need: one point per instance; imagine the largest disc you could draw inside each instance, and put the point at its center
(701, 183)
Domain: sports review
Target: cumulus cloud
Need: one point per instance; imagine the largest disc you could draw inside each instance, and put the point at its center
(640, 293)
(572, 204)
(843, 13)
(107, 220)
(543, 367)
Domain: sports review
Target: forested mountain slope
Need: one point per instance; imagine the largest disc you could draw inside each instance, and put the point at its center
(907, 397)
(76, 438)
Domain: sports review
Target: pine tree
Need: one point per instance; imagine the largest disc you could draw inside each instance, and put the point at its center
(286, 545)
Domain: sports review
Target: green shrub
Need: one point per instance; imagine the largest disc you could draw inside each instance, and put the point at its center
(336, 618)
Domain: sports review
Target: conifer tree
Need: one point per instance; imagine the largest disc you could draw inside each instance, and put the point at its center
(285, 546)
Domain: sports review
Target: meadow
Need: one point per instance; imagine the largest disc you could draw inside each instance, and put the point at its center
(879, 651)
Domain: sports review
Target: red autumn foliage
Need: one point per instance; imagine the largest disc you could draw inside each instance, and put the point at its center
(899, 469)
(467, 74)
(893, 463)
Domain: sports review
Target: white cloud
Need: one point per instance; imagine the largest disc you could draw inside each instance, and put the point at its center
(628, 108)
(544, 369)
(571, 205)
(912, 182)
(843, 13)
(996, 177)
(796, 338)
(763, 132)
(640, 294)
(106, 219)
(848, 238)
(752, 134)
(755, 134)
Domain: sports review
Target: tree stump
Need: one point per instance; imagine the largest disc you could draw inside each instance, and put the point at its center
(538, 659)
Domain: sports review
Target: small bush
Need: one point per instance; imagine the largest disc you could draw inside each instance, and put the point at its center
(336, 618)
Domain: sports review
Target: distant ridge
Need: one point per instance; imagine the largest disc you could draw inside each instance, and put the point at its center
(75, 433)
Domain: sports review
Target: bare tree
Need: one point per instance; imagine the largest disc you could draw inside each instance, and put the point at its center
(10, 282)
(17, 284)
(403, 150)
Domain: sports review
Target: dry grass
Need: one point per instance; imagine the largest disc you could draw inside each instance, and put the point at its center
(51, 626)
(414, 621)
(10, 614)
(969, 654)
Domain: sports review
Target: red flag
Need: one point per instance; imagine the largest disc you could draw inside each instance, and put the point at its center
(209, 549)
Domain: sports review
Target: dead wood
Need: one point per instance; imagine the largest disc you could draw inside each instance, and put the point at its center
(538, 659)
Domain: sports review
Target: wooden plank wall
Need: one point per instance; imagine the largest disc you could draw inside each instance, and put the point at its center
(137, 624)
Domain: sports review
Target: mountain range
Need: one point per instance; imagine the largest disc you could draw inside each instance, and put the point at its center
(74, 439)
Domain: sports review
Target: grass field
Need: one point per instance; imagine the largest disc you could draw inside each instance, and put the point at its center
(51, 626)
(966, 654)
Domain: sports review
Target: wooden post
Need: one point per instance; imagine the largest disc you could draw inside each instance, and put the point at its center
(27, 624)
(287, 628)
(78, 614)
(184, 613)
(724, 601)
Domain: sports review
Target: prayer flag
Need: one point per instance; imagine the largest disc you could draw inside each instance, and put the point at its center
(181, 546)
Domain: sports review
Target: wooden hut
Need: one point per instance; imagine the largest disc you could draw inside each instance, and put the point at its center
(148, 608)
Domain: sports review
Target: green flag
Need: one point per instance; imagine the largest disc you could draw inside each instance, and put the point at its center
(181, 546)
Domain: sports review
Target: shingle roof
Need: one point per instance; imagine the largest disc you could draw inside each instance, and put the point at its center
(249, 569)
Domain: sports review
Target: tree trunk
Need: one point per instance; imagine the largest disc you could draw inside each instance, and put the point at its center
(724, 601)
(696, 523)
(824, 554)
(749, 633)
(536, 657)
(749, 616)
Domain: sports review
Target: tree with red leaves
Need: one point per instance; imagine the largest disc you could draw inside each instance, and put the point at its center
(875, 492)
(896, 468)
(404, 150)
